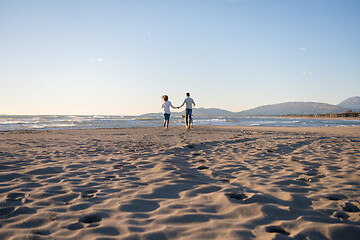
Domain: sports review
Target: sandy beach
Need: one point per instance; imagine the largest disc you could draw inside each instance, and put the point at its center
(206, 183)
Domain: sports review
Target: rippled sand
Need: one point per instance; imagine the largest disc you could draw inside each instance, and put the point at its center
(206, 183)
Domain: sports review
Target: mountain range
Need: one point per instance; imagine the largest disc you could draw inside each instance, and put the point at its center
(288, 108)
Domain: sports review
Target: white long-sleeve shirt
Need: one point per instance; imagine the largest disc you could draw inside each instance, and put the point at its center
(166, 106)
(189, 102)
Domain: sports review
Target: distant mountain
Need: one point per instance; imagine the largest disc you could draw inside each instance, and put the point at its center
(294, 108)
(352, 103)
(212, 111)
(288, 108)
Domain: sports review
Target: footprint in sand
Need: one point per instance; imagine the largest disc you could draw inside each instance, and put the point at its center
(350, 207)
(140, 205)
(80, 206)
(238, 196)
(75, 226)
(110, 177)
(276, 229)
(89, 193)
(43, 232)
(335, 197)
(32, 223)
(91, 218)
(340, 215)
(118, 166)
(202, 167)
(15, 197)
(223, 180)
(135, 229)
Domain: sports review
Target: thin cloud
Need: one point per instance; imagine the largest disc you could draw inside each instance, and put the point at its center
(302, 49)
(306, 73)
(100, 60)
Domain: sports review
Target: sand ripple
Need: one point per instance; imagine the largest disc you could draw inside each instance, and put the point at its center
(207, 183)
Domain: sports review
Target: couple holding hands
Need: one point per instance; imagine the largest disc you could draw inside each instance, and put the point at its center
(167, 104)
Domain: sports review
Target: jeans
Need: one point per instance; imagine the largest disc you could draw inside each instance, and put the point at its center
(188, 117)
(167, 119)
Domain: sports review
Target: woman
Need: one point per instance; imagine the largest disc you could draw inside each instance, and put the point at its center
(166, 106)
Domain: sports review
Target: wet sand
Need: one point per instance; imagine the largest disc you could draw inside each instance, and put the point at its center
(206, 183)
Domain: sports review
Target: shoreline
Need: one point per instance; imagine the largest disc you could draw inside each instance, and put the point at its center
(326, 118)
(343, 130)
(72, 122)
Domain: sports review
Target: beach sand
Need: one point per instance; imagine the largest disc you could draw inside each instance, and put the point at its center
(206, 183)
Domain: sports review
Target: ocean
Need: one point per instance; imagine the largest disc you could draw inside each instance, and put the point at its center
(56, 122)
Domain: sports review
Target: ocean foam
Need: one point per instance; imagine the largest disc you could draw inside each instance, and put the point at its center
(10, 123)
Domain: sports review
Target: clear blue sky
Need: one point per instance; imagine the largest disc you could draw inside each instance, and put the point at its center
(119, 56)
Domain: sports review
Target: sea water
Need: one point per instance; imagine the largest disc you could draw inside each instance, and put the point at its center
(42, 122)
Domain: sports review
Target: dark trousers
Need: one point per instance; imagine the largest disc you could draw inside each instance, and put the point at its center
(188, 117)
(167, 119)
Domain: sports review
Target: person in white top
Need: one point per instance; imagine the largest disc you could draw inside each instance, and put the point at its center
(189, 104)
(166, 106)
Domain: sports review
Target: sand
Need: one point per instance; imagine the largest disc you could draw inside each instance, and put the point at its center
(206, 183)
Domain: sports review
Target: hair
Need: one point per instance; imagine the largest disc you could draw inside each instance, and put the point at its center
(188, 94)
(165, 97)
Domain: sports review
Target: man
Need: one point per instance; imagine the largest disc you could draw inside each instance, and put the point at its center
(189, 104)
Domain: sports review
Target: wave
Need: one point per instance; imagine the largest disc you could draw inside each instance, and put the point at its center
(10, 123)
(147, 118)
(211, 120)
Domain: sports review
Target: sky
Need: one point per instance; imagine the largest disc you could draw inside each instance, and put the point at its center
(118, 57)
